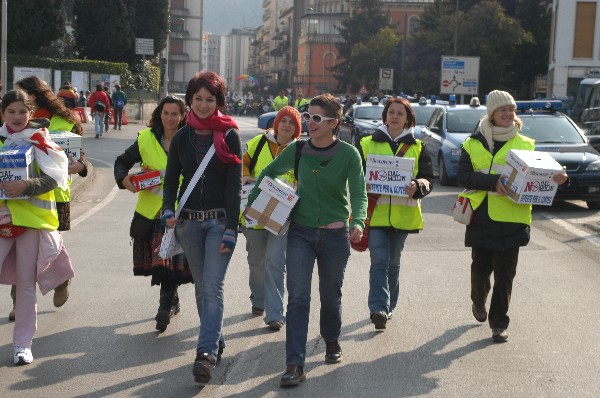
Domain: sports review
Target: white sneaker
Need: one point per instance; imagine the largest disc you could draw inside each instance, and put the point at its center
(23, 355)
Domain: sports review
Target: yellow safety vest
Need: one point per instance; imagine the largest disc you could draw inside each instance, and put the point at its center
(399, 212)
(299, 103)
(279, 102)
(264, 158)
(58, 123)
(500, 208)
(154, 157)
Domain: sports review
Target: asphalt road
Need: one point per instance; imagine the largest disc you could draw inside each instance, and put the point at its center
(102, 342)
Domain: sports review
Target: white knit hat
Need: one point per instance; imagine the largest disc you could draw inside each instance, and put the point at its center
(497, 99)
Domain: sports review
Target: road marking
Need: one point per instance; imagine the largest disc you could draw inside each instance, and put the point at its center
(591, 238)
(107, 199)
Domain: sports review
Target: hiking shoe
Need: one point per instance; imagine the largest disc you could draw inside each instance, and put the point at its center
(293, 376)
(479, 313)
(333, 352)
(203, 367)
(257, 311)
(162, 318)
(275, 325)
(23, 356)
(499, 335)
(379, 319)
(61, 293)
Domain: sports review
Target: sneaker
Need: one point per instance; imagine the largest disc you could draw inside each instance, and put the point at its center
(390, 315)
(333, 352)
(379, 319)
(61, 293)
(23, 356)
(257, 311)
(293, 376)
(203, 367)
(275, 325)
(479, 313)
(499, 335)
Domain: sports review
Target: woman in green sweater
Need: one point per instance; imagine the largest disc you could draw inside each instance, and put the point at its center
(320, 229)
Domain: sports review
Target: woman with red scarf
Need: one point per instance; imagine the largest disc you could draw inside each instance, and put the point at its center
(207, 224)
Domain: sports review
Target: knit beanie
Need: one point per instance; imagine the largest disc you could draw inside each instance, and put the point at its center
(497, 99)
(294, 114)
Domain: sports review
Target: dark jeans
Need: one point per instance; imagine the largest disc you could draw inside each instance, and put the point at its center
(106, 121)
(118, 117)
(503, 263)
(331, 249)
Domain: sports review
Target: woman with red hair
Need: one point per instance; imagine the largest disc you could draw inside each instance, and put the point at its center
(208, 222)
(266, 251)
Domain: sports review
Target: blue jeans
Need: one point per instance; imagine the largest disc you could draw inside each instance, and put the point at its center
(200, 241)
(331, 249)
(385, 248)
(266, 258)
(99, 123)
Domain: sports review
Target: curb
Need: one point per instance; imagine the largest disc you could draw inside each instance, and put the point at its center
(80, 184)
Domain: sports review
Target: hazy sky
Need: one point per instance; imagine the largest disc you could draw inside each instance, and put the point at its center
(220, 16)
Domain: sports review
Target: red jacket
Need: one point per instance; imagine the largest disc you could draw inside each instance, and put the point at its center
(99, 96)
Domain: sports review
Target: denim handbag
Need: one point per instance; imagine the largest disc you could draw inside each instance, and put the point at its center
(169, 246)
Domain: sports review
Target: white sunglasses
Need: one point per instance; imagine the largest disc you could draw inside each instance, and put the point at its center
(315, 118)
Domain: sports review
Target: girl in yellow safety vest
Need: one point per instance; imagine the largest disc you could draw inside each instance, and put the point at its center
(31, 249)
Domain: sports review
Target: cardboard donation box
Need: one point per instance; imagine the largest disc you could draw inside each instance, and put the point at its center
(388, 175)
(69, 142)
(273, 205)
(16, 163)
(146, 180)
(530, 177)
(246, 189)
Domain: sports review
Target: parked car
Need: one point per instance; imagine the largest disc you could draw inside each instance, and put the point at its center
(361, 120)
(423, 112)
(266, 120)
(555, 133)
(444, 134)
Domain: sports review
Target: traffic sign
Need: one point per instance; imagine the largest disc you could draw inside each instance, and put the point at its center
(363, 90)
(144, 46)
(460, 75)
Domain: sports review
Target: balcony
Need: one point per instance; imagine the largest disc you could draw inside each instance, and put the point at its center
(179, 12)
(179, 34)
(179, 57)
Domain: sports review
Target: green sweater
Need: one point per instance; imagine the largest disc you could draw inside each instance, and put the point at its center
(322, 177)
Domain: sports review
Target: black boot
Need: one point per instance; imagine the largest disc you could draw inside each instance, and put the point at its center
(163, 317)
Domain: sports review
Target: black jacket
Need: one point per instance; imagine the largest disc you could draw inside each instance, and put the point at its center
(483, 232)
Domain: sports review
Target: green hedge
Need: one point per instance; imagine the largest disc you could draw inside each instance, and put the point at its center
(130, 78)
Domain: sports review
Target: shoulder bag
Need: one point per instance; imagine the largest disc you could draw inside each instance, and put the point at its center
(169, 246)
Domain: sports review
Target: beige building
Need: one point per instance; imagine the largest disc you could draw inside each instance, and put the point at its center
(184, 52)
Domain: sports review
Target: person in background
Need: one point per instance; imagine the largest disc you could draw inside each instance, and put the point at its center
(68, 95)
(151, 149)
(50, 112)
(330, 177)
(29, 241)
(300, 101)
(107, 114)
(82, 100)
(280, 101)
(119, 100)
(100, 105)
(394, 217)
(208, 223)
(266, 251)
(499, 226)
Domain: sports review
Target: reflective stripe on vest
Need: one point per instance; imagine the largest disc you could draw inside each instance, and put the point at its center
(153, 157)
(395, 211)
(500, 208)
(37, 212)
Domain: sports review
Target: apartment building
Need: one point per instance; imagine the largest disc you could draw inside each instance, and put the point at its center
(185, 42)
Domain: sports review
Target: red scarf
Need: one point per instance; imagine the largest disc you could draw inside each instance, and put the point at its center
(218, 124)
(42, 113)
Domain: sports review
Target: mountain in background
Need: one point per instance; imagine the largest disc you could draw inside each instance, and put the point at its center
(220, 16)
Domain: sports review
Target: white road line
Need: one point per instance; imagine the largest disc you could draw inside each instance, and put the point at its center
(591, 238)
(111, 195)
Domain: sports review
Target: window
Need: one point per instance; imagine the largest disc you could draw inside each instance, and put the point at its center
(176, 47)
(413, 25)
(585, 21)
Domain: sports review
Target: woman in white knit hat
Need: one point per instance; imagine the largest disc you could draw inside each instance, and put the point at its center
(499, 226)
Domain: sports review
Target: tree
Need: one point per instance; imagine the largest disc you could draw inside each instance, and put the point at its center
(103, 29)
(368, 19)
(152, 22)
(33, 24)
(368, 57)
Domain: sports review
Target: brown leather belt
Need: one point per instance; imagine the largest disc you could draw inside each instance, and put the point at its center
(202, 215)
